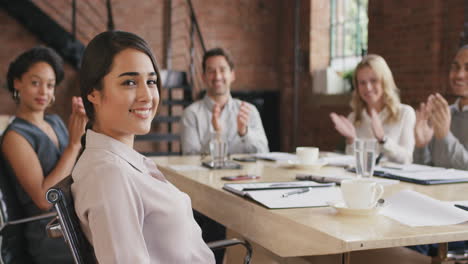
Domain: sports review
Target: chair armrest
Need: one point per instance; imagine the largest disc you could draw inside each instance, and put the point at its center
(28, 219)
(233, 242)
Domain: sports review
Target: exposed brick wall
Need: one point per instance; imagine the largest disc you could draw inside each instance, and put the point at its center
(16, 39)
(247, 29)
(417, 38)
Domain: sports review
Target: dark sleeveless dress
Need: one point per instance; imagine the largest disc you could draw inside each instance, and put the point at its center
(41, 248)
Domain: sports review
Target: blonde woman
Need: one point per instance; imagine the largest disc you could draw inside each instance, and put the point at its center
(378, 112)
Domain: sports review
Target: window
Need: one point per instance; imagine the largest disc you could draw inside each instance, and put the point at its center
(348, 33)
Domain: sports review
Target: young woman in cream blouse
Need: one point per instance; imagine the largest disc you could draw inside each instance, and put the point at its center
(128, 211)
(378, 112)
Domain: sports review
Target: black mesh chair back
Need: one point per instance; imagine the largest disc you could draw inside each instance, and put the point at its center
(13, 243)
(68, 223)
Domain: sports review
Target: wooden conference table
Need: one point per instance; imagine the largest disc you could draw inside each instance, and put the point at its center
(297, 235)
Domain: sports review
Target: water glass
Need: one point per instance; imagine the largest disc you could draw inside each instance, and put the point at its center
(218, 152)
(365, 152)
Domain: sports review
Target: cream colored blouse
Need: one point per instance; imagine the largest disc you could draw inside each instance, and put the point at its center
(129, 212)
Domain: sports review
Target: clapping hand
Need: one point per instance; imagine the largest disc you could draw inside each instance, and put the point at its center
(243, 119)
(423, 130)
(77, 121)
(440, 115)
(216, 113)
(344, 127)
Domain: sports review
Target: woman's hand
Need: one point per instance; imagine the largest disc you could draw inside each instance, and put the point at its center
(77, 121)
(423, 131)
(377, 127)
(344, 127)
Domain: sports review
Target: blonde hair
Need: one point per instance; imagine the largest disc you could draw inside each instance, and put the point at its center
(391, 97)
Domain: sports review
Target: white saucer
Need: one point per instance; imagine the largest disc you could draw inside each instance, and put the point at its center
(294, 164)
(341, 208)
(312, 166)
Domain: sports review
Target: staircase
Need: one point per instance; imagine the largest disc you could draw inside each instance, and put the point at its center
(58, 24)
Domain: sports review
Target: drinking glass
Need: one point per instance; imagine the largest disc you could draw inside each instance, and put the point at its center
(365, 153)
(218, 152)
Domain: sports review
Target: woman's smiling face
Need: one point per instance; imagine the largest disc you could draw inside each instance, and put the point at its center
(129, 98)
(370, 87)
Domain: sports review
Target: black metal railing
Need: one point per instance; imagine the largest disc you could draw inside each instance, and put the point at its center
(197, 50)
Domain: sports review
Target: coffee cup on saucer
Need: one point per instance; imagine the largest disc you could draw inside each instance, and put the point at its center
(307, 155)
(361, 193)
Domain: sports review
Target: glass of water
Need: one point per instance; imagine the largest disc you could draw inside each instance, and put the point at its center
(218, 152)
(365, 151)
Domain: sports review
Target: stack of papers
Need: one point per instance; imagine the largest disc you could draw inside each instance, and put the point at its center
(338, 178)
(183, 167)
(273, 194)
(276, 156)
(415, 209)
(340, 160)
(422, 174)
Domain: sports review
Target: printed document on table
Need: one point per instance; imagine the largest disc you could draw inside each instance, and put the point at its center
(183, 167)
(316, 197)
(422, 172)
(415, 209)
(276, 195)
(276, 156)
(242, 188)
(340, 160)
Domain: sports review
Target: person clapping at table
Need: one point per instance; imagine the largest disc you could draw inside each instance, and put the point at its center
(377, 112)
(236, 122)
(441, 130)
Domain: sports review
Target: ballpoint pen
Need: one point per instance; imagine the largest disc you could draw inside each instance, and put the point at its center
(461, 206)
(303, 190)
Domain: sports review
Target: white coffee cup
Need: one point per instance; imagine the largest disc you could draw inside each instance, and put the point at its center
(307, 155)
(361, 193)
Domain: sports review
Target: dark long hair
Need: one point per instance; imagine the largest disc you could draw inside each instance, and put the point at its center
(98, 58)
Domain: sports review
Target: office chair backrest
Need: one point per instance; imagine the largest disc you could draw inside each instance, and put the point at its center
(82, 251)
(12, 240)
(60, 195)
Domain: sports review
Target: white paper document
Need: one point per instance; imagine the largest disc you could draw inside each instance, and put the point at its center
(415, 209)
(273, 199)
(276, 156)
(276, 195)
(187, 168)
(338, 178)
(340, 160)
(242, 188)
(422, 172)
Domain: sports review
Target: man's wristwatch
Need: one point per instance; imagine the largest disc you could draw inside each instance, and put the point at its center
(383, 140)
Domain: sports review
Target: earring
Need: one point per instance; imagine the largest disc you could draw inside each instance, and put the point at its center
(16, 96)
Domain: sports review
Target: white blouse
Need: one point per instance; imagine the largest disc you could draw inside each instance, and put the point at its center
(400, 134)
(129, 212)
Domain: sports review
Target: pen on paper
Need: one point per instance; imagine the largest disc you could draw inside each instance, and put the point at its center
(461, 206)
(303, 190)
(285, 184)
